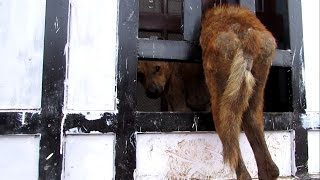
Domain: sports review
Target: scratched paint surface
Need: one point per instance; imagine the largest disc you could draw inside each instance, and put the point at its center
(19, 156)
(89, 157)
(92, 55)
(199, 155)
(22, 26)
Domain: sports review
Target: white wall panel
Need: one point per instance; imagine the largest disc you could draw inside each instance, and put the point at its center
(22, 25)
(310, 22)
(92, 55)
(89, 156)
(19, 157)
(314, 152)
(199, 155)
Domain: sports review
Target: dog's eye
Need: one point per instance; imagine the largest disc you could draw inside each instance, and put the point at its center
(157, 68)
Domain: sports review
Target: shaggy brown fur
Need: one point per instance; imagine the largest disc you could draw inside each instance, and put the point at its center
(182, 85)
(237, 51)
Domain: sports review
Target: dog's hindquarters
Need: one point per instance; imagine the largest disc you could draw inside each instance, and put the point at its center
(237, 52)
(230, 70)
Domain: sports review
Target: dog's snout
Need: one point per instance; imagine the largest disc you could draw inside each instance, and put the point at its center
(153, 92)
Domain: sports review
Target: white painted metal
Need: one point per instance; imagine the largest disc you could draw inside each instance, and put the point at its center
(91, 83)
(19, 157)
(199, 155)
(314, 152)
(89, 156)
(310, 21)
(22, 26)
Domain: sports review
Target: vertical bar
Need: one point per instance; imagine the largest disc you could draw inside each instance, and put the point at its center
(233, 1)
(54, 72)
(249, 4)
(298, 89)
(164, 10)
(192, 12)
(296, 44)
(125, 159)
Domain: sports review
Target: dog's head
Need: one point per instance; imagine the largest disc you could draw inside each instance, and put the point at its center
(154, 76)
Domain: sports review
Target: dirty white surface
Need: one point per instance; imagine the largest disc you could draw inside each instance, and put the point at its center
(314, 152)
(310, 21)
(199, 155)
(22, 25)
(89, 156)
(91, 83)
(19, 157)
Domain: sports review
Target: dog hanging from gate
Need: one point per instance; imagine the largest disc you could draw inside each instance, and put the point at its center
(237, 51)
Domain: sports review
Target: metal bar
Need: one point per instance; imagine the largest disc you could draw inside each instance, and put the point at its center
(165, 12)
(183, 50)
(249, 4)
(283, 58)
(103, 124)
(200, 121)
(9, 122)
(296, 42)
(173, 121)
(171, 23)
(233, 1)
(19, 123)
(298, 89)
(192, 12)
(54, 72)
(125, 158)
(165, 49)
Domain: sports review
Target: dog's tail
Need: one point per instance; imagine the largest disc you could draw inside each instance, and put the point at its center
(234, 101)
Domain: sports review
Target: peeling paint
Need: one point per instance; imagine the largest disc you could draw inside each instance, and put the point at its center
(195, 124)
(23, 118)
(62, 133)
(49, 156)
(56, 25)
(130, 16)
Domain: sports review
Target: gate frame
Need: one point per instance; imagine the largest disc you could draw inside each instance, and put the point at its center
(48, 120)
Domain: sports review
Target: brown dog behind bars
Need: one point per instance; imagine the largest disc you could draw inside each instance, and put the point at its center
(237, 51)
(181, 85)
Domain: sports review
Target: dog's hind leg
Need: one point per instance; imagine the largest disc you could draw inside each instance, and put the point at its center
(230, 86)
(253, 127)
(253, 117)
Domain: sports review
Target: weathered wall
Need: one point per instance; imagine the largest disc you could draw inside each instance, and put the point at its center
(310, 21)
(91, 87)
(21, 53)
(19, 157)
(89, 156)
(199, 155)
(314, 152)
(92, 52)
